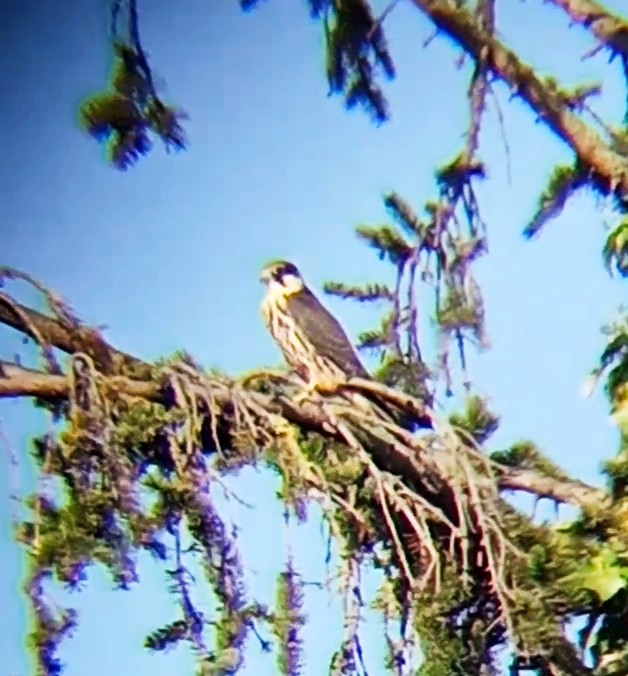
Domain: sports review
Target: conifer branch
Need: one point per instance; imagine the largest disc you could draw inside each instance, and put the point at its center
(69, 338)
(609, 169)
(440, 491)
(611, 30)
(133, 377)
(570, 491)
(17, 381)
(565, 181)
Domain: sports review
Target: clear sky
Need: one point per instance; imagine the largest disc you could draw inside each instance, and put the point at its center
(167, 254)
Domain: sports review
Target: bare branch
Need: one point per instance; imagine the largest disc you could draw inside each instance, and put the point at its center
(69, 339)
(572, 492)
(16, 381)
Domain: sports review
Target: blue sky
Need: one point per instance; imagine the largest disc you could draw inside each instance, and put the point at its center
(167, 254)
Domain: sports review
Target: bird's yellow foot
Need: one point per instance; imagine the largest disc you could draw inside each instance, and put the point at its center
(268, 375)
(311, 389)
(326, 387)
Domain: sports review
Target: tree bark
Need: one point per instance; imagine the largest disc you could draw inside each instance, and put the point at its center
(609, 169)
(16, 381)
(68, 339)
(609, 29)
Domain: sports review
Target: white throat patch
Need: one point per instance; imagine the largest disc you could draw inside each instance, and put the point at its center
(278, 292)
(290, 284)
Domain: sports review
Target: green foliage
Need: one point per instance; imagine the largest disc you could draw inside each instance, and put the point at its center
(444, 652)
(609, 644)
(614, 365)
(50, 627)
(365, 293)
(619, 139)
(615, 251)
(387, 241)
(167, 636)
(459, 311)
(409, 377)
(437, 251)
(129, 110)
(288, 622)
(403, 214)
(564, 182)
(135, 476)
(356, 52)
(616, 469)
(380, 338)
(477, 420)
(455, 176)
(578, 97)
(603, 574)
(526, 455)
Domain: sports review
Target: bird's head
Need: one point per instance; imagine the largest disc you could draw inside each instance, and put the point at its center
(282, 277)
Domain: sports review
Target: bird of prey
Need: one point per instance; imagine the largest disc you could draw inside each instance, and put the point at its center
(312, 341)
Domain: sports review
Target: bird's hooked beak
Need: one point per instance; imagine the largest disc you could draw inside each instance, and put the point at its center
(265, 276)
(282, 274)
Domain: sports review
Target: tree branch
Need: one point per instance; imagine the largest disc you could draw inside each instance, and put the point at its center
(16, 381)
(70, 339)
(572, 492)
(609, 29)
(610, 169)
(430, 476)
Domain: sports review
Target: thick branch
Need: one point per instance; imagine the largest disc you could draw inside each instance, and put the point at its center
(572, 492)
(610, 169)
(16, 381)
(609, 29)
(70, 339)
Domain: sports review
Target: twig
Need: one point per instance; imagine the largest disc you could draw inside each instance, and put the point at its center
(376, 474)
(33, 330)
(59, 307)
(380, 20)
(14, 475)
(502, 132)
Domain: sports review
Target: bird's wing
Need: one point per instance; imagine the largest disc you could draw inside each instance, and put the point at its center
(325, 333)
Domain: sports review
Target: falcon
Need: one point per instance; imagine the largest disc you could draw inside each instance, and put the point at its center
(311, 339)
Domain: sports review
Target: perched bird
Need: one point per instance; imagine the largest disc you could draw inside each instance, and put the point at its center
(311, 339)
